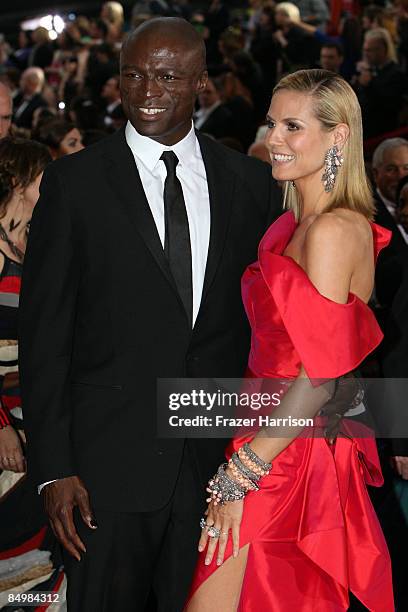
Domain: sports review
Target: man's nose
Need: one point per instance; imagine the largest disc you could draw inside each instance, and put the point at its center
(152, 88)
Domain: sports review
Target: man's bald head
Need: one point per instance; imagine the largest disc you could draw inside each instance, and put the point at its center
(170, 31)
(162, 70)
(6, 110)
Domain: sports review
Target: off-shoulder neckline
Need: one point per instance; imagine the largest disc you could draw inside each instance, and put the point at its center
(381, 238)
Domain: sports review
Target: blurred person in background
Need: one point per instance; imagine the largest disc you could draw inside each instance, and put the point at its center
(42, 52)
(373, 17)
(30, 96)
(402, 203)
(6, 110)
(249, 74)
(23, 526)
(111, 96)
(379, 84)
(349, 37)
(60, 136)
(11, 78)
(390, 165)
(315, 12)
(20, 57)
(213, 117)
(102, 64)
(331, 57)
(112, 14)
(236, 99)
(263, 46)
(69, 87)
(298, 48)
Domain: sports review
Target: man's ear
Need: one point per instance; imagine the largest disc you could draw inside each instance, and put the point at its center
(202, 81)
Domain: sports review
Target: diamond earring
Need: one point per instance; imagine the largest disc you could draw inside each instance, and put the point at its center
(332, 162)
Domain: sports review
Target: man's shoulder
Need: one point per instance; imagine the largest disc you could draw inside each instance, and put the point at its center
(88, 158)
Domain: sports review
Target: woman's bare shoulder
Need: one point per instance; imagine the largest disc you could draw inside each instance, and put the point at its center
(341, 229)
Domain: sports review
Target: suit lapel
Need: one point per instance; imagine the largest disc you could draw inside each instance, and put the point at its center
(124, 179)
(385, 218)
(220, 181)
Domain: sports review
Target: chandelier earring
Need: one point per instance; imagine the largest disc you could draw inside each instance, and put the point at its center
(332, 162)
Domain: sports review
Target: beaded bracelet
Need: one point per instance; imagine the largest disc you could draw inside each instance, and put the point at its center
(245, 471)
(248, 484)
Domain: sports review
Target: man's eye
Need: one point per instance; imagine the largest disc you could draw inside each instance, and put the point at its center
(168, 77)
(133, 75)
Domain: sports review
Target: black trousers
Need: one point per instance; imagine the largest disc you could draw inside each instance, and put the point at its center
(131, 554)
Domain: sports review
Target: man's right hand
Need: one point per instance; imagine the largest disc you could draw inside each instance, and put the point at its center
(60, 497)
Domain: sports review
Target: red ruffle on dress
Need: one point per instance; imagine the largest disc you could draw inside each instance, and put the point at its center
(312, 531)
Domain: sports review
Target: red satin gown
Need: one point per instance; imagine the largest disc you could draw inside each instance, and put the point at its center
(312, 531)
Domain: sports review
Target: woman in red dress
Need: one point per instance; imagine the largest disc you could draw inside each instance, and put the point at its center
(303, 534)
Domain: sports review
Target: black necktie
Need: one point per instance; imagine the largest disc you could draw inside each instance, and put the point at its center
(177, 246)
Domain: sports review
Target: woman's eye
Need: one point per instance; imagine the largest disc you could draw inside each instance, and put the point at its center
(270, 124)
(292, 127)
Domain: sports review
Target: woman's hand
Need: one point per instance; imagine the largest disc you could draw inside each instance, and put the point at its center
(11, 453)
(225, 518)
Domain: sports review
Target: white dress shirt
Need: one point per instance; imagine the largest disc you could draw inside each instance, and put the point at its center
(392, 209)
(192, 176)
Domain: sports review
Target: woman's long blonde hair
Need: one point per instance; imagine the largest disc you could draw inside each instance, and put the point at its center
(334, 102)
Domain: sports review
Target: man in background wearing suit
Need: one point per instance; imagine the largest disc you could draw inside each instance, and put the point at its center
(213, 117)
(133, 267)
(390, 164)
(30, 98)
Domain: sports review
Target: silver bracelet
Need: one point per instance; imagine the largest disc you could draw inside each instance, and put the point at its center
(254, 457)
(223, 489)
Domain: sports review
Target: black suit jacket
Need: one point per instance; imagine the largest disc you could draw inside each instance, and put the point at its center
(101, 319)
(26, 118)
(219, 123)
(389, 271)
(391, 284)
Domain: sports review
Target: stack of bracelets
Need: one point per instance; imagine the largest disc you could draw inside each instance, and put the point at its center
(246, 468)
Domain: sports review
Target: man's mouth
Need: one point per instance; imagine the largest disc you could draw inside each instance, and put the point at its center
(151, 111)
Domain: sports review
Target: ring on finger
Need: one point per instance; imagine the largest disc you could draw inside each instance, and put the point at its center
(213, 532)
(203, 524)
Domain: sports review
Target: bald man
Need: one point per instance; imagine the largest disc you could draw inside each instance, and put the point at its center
(6, 110)
(135, 255)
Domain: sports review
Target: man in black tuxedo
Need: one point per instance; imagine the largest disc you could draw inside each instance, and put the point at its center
(132, 273)
(390, 164)
(30, 98)
(213, 117)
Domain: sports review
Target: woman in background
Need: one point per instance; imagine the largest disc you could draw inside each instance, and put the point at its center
(25, 540)
(60, 136)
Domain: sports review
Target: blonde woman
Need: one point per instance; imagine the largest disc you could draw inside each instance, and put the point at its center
(298, 48)
(290, 525)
